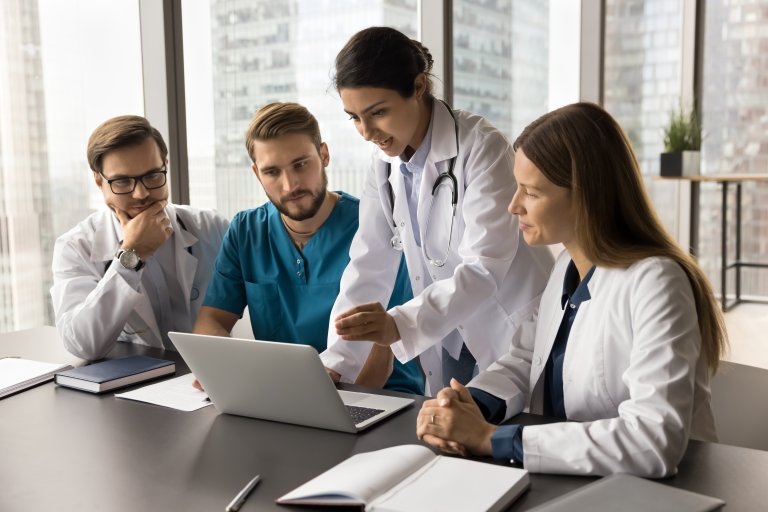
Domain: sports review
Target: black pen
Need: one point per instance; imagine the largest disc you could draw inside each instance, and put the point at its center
(236, 503)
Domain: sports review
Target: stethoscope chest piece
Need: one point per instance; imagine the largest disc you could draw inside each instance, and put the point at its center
(444, 179)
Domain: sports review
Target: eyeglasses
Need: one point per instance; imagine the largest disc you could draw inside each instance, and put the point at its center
(151, 180)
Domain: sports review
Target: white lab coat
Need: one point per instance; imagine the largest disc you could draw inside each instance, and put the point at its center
(632, 375)
(95, 308)
(492, 280)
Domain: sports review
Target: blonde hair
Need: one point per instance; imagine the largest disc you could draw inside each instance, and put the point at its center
(582, 148)
(277, 119)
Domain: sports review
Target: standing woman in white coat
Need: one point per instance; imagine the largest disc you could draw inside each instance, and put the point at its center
(628, 329)
(436, 192)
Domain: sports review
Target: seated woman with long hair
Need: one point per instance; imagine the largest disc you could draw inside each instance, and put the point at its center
(628, 331)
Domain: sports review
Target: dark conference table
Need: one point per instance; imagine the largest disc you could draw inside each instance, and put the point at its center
(66, 450)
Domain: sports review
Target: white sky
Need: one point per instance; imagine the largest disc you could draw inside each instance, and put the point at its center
(93, 74)
(564, 52)
(90, 74)
(198, 72)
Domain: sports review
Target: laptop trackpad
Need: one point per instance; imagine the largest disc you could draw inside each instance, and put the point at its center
(388, 403)
(363, 399)
(364, 402)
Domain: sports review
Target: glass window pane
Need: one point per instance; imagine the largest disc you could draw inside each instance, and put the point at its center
(240, 55)
(642, 82)
(735, 124)
(642, 78)
(504, 52)
(65, 67)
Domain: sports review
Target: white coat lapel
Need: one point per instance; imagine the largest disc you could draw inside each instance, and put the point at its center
(403, 219)
(383, 181)
(186, 263)
(550, 318)
(442, 149)
(106, 241)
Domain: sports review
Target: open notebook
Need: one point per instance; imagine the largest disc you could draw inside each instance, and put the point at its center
(411, 478)
(18, 374)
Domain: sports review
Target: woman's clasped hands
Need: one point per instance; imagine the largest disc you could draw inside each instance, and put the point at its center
(453, 423)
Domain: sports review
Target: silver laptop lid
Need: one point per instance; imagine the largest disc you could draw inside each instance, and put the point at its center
(268, 380)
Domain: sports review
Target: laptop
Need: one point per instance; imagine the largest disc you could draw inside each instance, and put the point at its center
(278, 382)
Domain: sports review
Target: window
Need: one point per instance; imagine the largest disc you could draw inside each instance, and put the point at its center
(643, 41)
(643, 82)
(735, 122)
(66, 67)
(241, 55)
(503, 59)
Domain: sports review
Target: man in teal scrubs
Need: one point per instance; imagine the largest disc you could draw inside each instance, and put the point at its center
(284, 259)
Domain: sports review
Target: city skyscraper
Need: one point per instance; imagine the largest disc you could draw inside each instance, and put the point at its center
(284, 51)
(268, 51)
(501, 60)
(642, 83)
(642, 74)
(26, 236)
(735, 124)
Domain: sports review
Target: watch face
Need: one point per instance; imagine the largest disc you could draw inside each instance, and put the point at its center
(129, 259)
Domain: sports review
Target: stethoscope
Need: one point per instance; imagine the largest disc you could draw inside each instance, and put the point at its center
(444, 178)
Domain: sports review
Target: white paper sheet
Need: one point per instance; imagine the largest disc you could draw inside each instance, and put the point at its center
(14, 370)
(175, 393)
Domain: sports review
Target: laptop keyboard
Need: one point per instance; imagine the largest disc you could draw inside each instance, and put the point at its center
(360, 414)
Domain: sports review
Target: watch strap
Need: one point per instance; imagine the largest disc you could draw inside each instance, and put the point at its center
(139, 264)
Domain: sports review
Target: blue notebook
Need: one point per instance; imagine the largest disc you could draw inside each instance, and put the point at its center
(115, 373)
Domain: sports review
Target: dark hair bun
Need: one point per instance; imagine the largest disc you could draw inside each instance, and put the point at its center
(383, 57)
(424, 56)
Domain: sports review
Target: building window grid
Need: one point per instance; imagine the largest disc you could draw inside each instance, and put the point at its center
(745, 38)
(734, 111)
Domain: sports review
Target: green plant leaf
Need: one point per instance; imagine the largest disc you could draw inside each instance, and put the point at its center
(683, 133)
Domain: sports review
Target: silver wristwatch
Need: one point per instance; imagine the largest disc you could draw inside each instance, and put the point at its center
(129, 259)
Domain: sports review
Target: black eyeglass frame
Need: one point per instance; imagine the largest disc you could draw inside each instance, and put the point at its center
(161, 170)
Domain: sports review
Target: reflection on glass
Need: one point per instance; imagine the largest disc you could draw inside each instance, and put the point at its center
(642, 79)
(56, 86)
(501, 60)
(241, 55)
(735, 123)
(642, 82)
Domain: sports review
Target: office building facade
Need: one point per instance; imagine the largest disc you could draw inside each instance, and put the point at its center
(26, 233)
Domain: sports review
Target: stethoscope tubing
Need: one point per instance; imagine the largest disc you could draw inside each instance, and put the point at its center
(396, 241)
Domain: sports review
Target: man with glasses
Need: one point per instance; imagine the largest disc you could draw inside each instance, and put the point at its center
(141, 268)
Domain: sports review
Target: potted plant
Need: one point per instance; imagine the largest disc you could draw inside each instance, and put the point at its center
(682, 142)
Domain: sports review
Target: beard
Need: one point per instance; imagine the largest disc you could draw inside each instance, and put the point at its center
(297, 213)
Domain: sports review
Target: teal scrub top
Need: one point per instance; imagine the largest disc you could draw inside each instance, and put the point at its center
(290, 293)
